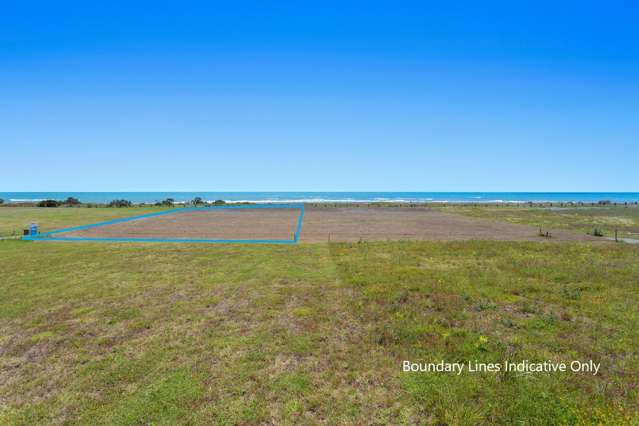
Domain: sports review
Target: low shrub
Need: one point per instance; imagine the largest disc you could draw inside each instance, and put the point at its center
(120, 203)
(71, 201)
(48, 203)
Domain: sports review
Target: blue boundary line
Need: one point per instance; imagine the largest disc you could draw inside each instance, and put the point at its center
(299, 224)
(49, 236)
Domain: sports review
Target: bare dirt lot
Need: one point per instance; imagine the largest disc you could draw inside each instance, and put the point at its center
(324, 224)
(227, 224)
(409, 223)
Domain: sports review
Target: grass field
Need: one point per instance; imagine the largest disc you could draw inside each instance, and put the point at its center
(578, 219)
(312, 333)
(219, 334)
(14, 219)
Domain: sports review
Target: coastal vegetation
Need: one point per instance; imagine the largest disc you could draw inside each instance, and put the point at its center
(49, 203)
(315, 333)
(169, 202)
(120, 203)
(72, 201)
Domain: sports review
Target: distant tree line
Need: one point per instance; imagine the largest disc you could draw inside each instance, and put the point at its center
(168, 202)
(49, 203)
(71, 201)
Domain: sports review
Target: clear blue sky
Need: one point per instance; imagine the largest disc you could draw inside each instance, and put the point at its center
(319, 96)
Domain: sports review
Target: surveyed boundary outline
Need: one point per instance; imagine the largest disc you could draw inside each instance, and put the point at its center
(53, 235)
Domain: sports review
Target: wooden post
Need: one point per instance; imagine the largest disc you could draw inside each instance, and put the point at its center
(616, 240)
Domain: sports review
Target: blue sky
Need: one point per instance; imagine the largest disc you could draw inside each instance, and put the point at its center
(319, 96)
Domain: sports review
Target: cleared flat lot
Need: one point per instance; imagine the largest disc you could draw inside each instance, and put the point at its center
(260, 223)
(413, 223)
(324, 223)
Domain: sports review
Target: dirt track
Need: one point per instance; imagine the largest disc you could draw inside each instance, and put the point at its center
(320, 224)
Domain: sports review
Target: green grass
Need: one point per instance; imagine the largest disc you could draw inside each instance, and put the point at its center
(578, 219)
(14, 219)
(314, 333)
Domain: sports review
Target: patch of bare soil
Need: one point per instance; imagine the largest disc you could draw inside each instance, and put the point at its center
(414, 223)
(263, 223)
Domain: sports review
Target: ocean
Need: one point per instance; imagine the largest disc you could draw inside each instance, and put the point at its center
(329, 197)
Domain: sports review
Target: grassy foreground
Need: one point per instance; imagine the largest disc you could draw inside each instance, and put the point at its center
(315, 333)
